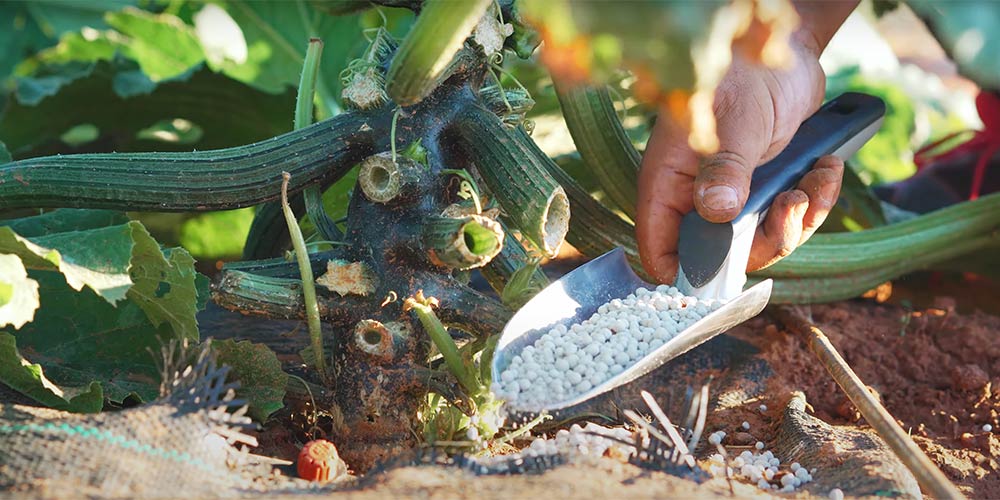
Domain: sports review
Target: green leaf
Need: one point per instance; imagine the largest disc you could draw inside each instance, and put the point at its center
(64, 220)
(162, 44)
(29, 379)
(26, 27)
(79, 339)
(967, 30)
(18, 293)
(277, 34)
(257, 368)
(97, 259)
(165, 284)
(217, 235)
(228, 112)
(4, 154)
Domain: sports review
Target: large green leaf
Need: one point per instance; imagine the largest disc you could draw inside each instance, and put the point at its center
(228, 112)
(108, 297)
(97, 259)
(165, 284)
(64, 220)
(162, 44)
(77, 338)
(256, 367)
(18, 293)
(216, 235)
(968, 30)
(281, 30)
(26, 27)
(28, 379)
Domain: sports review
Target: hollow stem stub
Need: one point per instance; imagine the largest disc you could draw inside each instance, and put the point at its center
(462, 242)
(383, 180)
(515, 171)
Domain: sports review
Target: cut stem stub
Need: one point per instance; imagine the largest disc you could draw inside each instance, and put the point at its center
(462, 242)
(383, 180)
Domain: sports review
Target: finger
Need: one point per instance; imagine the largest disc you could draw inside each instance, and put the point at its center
(745, 125)
(781, 231)
(822, 186)
(665, 195)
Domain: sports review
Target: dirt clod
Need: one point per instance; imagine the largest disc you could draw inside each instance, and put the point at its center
(968, 377)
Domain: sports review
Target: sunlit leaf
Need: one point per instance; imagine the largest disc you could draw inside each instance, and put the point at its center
(107, 296)
(18, 293)
(26, 27)
(28, 378)
(217, 235)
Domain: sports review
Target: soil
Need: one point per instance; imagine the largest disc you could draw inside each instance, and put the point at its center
(935, 370)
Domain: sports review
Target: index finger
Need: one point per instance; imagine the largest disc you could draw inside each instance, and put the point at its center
(666, 184)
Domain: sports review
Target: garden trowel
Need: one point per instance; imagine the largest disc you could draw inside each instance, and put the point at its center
(713, 257)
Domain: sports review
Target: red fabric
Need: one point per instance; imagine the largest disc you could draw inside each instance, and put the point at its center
(985, 142)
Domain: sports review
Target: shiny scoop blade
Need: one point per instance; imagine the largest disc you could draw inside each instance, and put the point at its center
(577, 295)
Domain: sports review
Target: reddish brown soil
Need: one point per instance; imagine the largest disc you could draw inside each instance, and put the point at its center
(936, 371)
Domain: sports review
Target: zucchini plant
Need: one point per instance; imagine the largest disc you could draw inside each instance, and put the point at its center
(446, 177)
(449, 180)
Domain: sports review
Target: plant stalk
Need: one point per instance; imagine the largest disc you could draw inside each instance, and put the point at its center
(423, 307)
(462, 242)
(515, 171)
(602, 142)
(308, 281)
(429, 48)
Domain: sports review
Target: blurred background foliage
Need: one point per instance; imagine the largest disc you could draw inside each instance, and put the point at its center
(143, 75)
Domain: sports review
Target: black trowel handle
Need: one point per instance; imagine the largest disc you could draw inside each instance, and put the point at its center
(839, 128)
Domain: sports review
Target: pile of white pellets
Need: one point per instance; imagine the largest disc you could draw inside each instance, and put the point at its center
(566, 362)
(763, 469)
(576, 445)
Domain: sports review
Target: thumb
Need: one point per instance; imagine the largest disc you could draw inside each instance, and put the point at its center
(723, 185)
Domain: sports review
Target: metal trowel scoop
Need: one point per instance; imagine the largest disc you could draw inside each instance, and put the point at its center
(713, 257)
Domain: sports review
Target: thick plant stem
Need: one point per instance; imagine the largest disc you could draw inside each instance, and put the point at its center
(835, 254)
(384, 179)
(308, 282)
(931, 478)
(602, 142)
(594, 229)
(845, 286)
(221, 179)
(515, 171)
(428, 49)
(313, 195)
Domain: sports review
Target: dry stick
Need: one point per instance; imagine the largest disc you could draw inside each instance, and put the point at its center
(928, 475)
(668, 426)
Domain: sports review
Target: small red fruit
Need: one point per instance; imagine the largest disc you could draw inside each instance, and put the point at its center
(319, 461)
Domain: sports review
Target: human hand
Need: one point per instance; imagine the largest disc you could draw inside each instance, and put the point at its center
(758, 110)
